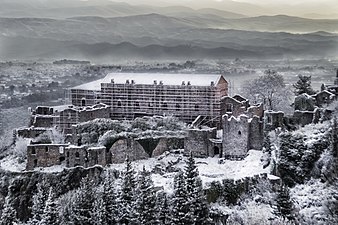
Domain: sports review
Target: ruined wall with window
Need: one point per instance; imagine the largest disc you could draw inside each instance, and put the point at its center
(44, 155)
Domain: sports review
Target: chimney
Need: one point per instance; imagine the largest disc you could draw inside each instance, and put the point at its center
(188, 83)
(127, 81)
(183, 82)
(155, 82)
(112, 81)
(212, 83)
(161, 82)
(132, 82)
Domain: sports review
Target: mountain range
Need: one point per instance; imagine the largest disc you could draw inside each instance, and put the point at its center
(124, 31)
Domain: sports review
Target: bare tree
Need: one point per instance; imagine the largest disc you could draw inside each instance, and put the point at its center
(269, 89)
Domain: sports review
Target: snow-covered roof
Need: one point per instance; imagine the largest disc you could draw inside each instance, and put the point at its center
(149, 78)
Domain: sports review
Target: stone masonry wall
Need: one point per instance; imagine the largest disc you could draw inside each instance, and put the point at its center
(197, 142)
(235, 136)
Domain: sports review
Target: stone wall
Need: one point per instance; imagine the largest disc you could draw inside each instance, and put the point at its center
(44, 155)
(197, 141)
(256, 133)
(42, 121)
(31, 132)
(235, 136)
(273, 120)
(303, 117)
(85, 156)
(127, 147)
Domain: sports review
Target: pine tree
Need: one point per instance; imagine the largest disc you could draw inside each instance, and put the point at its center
(197, 204)
(163, 209)
(8, 216)
(303, 85)
(180, 202)
(146, 200)
(50, 215)
(99, 213)
(284, 203)
(126, 198)
(39, 200)
(110, 199)
(83, 202)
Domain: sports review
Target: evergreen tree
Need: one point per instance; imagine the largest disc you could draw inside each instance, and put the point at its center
(284, 203)
(110, 199)
(197, 204)
(163, 209)
(39, 200)
(50, 215)
(126, 198)
(99, 213)
(8, 216)
(180, 202)
(146, 200)
(303, 85)
(83, 202)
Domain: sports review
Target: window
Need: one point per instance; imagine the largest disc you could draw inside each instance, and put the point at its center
(229, 107)
(197, 107)
(77, 155)
(165, 106)
(35, 163)
(46, 149)
(119, 103)
(33, 151)
(239, 132)
(269, 119)
(83, 102)
(178, 107)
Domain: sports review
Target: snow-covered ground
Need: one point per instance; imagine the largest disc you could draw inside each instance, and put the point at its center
(209, 168)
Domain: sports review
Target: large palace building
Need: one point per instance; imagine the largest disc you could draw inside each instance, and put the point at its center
(132, 95)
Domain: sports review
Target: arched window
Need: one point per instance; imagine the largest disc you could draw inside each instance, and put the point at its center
(119, 103)
(83, 102)
(239, 132)
(33, 151)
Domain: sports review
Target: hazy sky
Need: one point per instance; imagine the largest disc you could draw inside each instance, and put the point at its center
(255, 7)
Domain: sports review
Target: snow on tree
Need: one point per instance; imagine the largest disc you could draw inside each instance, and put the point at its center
(146, 200)
(180, 202)
(269, 89)
(110, 198)
(197, 204)
(126, 198)
(50, 214)
(99, 213)
(83, 202)
(39, 200)
(163, 209)
(284, 204)
(66, 207)
(8, 215)
(303, 85)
